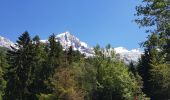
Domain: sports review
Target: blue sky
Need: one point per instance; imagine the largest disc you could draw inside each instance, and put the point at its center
(92, 21)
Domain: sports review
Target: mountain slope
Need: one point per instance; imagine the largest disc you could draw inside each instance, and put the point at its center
(128, 55)
(66, 39)
(4, 42)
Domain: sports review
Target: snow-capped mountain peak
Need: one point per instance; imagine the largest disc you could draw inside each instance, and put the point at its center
(67, 39)
(65, 34)
(4, 42)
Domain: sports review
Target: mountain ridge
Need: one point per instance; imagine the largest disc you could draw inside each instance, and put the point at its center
(67, 39)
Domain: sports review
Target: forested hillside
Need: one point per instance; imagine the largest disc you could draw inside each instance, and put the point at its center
(45, 71)
(35, 70)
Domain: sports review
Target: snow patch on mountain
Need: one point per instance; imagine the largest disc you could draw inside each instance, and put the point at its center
(128, 55)
(6, 43)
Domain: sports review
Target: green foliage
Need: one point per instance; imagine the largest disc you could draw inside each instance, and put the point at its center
(40, 71)
(154, 71)
(3, 50)
(3, 66)
(30, 65)
(113, 79)
(65, 86)
(47, 97)
(54, 51)
(160, 72)
(156, 16)
(153, 66)
(39, 56)
(65, 81)
(17, 75)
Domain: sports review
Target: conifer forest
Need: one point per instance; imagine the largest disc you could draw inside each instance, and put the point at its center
(34, 70)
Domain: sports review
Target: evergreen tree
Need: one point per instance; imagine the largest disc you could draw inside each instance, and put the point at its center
(143, 70)
(154, 70)
(55, 53)
(39, 57)
(153, 66)
(3, 66)
(70, 55)
(132, 68)
(156, 16)
(18, 73)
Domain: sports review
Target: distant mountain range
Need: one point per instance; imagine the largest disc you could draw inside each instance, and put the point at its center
(66, 39)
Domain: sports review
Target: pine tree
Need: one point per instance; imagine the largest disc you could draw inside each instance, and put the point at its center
(18, 73)
(70, 55)
(154, 70)
(154, 67)
(39, 57)
(143, 70)
(3, 66)
(156, 16)
(132, 68)
(55, 53)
